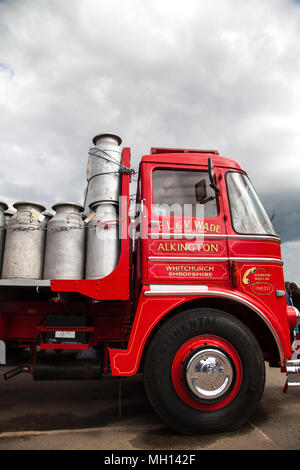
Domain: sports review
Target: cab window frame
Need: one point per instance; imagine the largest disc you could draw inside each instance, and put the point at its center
(185, 169)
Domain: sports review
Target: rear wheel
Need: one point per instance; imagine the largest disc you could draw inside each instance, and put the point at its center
(204, 372)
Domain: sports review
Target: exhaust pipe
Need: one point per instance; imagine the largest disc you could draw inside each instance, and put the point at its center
(16, 371)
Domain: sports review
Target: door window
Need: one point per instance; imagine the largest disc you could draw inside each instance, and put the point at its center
(184, 193)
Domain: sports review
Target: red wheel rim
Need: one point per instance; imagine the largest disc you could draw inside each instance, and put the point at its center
(193, 346)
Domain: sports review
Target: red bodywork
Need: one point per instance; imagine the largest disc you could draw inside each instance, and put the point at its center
(240, 274)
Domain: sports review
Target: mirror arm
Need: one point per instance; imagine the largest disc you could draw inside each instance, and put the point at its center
(215, 188)
(211, 177)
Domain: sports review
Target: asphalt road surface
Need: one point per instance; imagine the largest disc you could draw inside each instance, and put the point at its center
(78, 415)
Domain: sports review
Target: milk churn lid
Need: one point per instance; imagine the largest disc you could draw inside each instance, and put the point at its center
(9, 213)
(48, 214)
(107, 134)
(74, 204)
(36, 205)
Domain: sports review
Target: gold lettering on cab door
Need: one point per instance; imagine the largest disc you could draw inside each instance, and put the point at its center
(188, 226)
(174, 247)
(258, 280)
(191, 271)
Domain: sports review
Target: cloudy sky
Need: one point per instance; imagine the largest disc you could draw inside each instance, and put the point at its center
(199, 74)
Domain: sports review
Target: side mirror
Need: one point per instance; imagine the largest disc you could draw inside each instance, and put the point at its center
(212, 178)
(201, 192)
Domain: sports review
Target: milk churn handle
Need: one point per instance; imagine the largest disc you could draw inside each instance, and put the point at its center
(70, 215)
(107, 223)
(26, 211)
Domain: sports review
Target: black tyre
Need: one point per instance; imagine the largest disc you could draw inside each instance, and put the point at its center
(204, 372)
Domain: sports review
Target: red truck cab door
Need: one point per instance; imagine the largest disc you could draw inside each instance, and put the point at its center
(184, 236)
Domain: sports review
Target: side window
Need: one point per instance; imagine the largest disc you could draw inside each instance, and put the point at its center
(188, 191)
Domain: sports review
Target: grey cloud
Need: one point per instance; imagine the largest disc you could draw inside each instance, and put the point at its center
(286, 210)
(158, 74)
(6, 70)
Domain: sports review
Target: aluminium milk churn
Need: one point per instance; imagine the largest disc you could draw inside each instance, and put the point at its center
(3, 207)
(8, 214)
(103, 244)
(65, 243)
(25, 242)
(104, 170)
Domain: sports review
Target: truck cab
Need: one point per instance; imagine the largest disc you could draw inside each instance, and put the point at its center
(208, 261)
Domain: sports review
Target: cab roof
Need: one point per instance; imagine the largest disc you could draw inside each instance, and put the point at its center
(189, 157)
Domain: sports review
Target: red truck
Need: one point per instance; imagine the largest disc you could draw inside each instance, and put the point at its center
(196, 301)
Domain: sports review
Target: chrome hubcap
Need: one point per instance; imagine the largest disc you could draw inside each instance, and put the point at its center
(209, 373)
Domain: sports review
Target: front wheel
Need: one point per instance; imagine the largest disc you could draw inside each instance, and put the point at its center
(204, 372)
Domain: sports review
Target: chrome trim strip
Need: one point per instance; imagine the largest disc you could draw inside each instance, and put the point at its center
(212, 293)
(257, 260)
(173, 288)
(255, 237)
(186, 258)
(160, 235)
(212, 259)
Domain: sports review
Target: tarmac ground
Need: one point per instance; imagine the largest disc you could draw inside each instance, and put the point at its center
(114, 414)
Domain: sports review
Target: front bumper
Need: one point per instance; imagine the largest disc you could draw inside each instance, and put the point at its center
(293, 373)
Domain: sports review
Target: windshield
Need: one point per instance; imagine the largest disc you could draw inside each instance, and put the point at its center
(247, 213)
